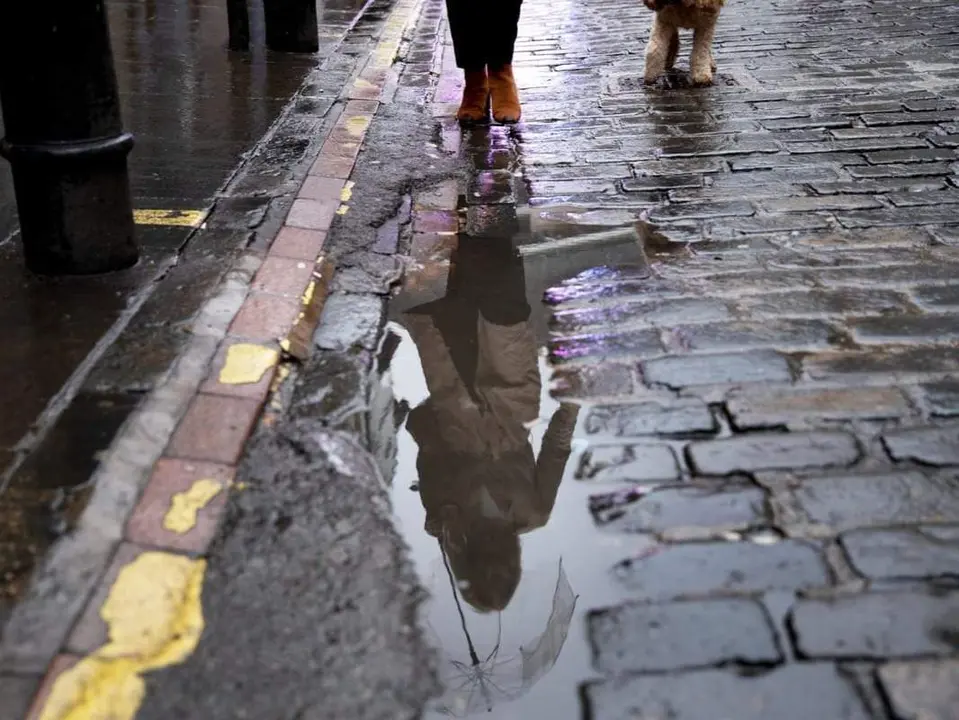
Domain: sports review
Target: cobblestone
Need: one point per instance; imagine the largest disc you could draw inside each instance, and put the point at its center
(782, 694)
(685, 507)
(789, 407)
(681, 419)
(701, 569)
(929, 446)
(720, 369)
(922, 690)
(632, 463)
(914, 553)
(877, 625)
(770, 396)
(773, 451)
(682, 635)
(877, 500)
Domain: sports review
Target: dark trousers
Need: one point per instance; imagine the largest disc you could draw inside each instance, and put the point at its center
(484, 32)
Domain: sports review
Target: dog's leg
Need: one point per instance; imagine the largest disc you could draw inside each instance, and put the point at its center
(700, 64)
(656, 50)
(712, 61)
(673, 49)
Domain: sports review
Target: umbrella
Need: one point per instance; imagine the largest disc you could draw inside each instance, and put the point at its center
(476, 682)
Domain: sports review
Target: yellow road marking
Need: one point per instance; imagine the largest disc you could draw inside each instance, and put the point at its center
(246, 364)
(175, 218)
(186, 506)
(154, 619)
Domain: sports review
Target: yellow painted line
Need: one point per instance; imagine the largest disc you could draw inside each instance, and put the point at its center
(174, 218)
(246, 364)
(347, 192)
(186, 506)
(154, 619)
(357, 125)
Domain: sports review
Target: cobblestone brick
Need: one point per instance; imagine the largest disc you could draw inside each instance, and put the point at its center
(877, 625)
(942, 398)
(816, 303)
(773, 451)
(720, 369)
(683, 418)
(877, 500)
(897, 554)
(942, 296)
(629, 463)
(784, 694)
(929, 446)
(698, 569)
(647, 312)
(922, 690)
(681, 635)
(934, 328)
(917, 360)
(603, 380)
(683, 507)
(771, 408)
(638, 343)
(723, 336)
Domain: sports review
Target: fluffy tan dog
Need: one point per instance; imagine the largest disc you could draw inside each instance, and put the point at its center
(700, 16)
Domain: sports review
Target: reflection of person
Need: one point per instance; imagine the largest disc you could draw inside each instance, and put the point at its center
(479, 480)
(484, 34)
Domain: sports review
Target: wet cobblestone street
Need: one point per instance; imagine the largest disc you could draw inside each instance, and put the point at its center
(645, 408)
(769, 404)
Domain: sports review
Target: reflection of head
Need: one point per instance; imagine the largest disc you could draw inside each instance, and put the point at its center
(486, 562)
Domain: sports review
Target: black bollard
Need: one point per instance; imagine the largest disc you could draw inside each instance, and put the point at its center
(238, 18)
(64, 137)
(291, 26)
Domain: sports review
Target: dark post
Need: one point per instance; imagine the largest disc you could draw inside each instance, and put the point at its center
(65, 141)
(238, 18)
(291, 25)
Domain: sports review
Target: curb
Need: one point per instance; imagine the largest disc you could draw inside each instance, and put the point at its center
(161, 487)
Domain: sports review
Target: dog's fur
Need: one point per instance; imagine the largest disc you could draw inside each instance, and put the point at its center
(700, 16)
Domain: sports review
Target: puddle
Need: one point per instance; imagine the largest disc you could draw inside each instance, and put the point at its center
(500, 532)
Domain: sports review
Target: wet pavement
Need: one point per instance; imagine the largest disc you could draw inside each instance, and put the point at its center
(756, 511)
(79, 353)
(665, 407)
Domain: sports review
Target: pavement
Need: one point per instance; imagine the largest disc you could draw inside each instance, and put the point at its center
(211, 173)
(759, 514)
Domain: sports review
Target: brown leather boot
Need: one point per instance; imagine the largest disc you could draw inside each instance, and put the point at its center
(504, 95)
(475, 105)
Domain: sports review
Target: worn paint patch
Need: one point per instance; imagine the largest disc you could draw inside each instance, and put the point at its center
(246, 364)
(185, 506)
(342, 209)
(181, 218)
(357, 125)
(309, 293)
(154, 619)
(347, 192)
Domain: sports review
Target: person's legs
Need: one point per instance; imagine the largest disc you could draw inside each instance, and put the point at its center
(502, 29)
(469, 45)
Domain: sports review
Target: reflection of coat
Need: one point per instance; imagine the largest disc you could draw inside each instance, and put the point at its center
(479, 357)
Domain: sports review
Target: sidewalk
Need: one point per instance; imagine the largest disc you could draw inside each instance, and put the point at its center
(79, 353)
(760, 518)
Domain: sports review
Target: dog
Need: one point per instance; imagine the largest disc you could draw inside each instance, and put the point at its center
(700, 16)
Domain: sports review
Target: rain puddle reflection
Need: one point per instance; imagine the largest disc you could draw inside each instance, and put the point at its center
(500, 533)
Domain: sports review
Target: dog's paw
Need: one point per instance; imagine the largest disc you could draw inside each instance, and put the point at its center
(701, 79)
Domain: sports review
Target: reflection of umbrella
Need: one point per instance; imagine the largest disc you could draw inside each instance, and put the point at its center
(476, 684)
